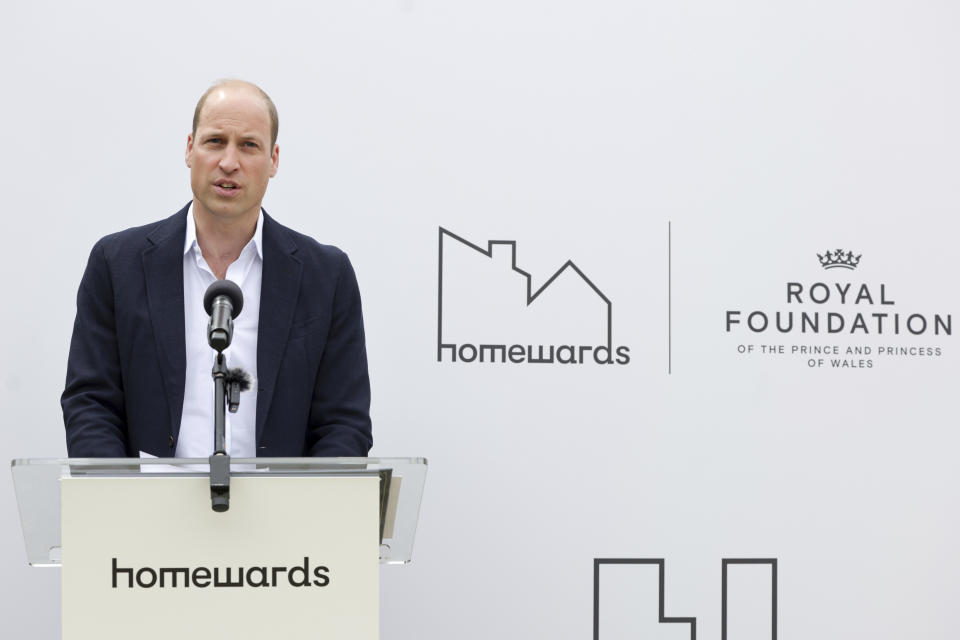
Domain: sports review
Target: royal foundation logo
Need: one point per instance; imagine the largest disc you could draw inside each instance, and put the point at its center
(489, 310)
(841, 318)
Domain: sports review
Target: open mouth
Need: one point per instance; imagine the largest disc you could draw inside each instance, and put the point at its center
(227, 187)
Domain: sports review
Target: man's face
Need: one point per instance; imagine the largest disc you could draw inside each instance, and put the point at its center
(230, 156)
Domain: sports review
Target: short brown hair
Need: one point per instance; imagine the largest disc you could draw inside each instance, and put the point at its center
(271, 108)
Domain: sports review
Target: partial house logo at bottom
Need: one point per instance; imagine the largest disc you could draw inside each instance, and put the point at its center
(489, 311)
(629, 599)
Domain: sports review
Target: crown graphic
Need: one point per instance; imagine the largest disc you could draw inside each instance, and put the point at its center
(839, 258)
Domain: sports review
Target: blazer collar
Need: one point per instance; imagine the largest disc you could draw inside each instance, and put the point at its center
(278, 299)
(163, 273)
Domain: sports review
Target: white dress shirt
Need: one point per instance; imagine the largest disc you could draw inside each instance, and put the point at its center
(196, 425)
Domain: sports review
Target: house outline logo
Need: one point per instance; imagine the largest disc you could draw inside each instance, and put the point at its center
(517, 353)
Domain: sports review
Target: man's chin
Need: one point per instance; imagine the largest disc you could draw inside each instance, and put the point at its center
(227, 211)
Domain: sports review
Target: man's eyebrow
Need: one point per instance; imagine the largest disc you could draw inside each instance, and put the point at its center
(245, 136)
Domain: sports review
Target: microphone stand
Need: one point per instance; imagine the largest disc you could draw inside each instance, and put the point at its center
(220, 459)
(222, 302)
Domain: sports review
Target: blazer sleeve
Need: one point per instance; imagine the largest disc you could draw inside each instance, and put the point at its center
(339, 422)
(93, 400)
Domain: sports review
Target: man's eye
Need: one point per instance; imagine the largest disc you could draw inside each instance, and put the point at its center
(252, 145)
(214, 141)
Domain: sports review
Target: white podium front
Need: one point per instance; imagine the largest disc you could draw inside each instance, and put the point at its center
(145, 556)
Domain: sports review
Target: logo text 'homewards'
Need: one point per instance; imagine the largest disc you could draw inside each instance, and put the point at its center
(488, 310)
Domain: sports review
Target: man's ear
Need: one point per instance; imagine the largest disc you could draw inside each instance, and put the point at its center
(187, 156)
(275, 160)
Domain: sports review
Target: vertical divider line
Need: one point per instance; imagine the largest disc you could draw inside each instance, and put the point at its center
(669, 297)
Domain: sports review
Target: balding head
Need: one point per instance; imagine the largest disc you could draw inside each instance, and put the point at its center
(223, 84)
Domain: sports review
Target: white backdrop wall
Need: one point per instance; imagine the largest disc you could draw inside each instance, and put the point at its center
(690, 158)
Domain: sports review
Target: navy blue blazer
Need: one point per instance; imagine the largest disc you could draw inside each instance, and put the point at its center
(126, 372)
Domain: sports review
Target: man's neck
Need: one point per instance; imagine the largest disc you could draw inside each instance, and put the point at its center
(222, 240)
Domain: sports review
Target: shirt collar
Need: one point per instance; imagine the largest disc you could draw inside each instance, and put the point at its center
(191, 237)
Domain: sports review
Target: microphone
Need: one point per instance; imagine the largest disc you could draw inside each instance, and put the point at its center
(223, 302)
(237, 380)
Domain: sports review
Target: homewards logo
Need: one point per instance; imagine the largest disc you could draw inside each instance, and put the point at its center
(489, 311)
(302, 575)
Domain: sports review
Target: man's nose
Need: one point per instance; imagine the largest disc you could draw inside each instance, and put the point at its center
(229, 160)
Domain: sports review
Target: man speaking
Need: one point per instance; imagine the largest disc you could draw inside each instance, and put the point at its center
(139, 373)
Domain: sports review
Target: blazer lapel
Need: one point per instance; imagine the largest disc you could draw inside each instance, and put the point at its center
(278, 300)
(163, 268)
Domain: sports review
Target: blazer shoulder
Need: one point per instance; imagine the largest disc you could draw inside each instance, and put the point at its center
(304, 247)
(130, 243)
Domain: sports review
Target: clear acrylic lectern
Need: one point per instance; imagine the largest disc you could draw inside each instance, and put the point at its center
(37, 483)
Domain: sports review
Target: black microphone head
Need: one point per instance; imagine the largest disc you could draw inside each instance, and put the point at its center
(224, 288)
